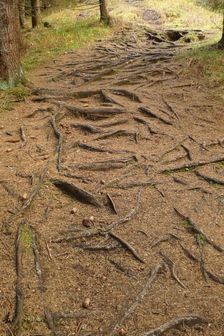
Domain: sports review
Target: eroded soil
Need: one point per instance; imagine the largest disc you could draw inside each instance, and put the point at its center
(112, 200)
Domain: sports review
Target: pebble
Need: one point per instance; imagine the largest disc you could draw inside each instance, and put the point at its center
(25, 196)
(86, 303)
(74, 210)
(122, 332)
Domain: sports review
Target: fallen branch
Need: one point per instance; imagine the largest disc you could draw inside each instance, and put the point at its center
(175, 323)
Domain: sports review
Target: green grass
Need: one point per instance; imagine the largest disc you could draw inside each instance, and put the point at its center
(66, 33)
(185, 14)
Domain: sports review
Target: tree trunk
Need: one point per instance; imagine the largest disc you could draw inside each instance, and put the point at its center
(22, 5)
(221, 42)
(35, 12)
(10, 69)
(104, 15)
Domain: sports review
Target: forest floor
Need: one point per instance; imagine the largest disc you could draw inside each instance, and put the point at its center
(112, 199)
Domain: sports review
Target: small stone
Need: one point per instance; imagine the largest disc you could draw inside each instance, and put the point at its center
(86, 303)
(74, 210)
(122, 332)
(25, 196)
(91, 218)
(8, 150)
(102, 182)
(87, 223)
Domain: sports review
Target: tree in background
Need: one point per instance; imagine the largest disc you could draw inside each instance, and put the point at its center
(35, 12)
(22, 11)
(217, 5)
(104, 14)
(10, 68)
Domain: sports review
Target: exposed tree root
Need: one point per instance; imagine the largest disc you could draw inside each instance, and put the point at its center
(116, 133)
(98, 248)
(112, 204)
(127, 246)
(172, 268)
(188, 152)
(129, 273)
(135, 184)
(131, 95)
(106, 165)
(18, 314)
(193, 164)
(100, 149)
(37, 260)
(151, 114)
(114, 123)
(190, 320)
(92, 113)
(59, 136)
(162, 239)
(23, 136)
(193, 228)
(50, 321)
(170, 108)
(87, 128)
(139, 298)
(107, 98)
(209, 179)
(144, 122)
(79, 194)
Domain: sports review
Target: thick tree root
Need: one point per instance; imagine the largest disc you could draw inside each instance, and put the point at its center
(79, 194)
(151, 114)
(190, 320)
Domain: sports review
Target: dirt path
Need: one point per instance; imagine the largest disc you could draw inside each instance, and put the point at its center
(112, 198)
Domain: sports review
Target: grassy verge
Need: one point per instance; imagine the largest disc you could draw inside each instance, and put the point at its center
(68, 29)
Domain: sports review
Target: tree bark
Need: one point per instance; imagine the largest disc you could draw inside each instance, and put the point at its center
(35, 12)
(22, 6)
(10, 68)
(221, 42)
(104, 15)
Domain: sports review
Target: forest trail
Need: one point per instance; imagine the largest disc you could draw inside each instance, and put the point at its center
(112, 197)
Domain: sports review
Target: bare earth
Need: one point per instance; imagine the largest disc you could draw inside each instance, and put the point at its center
(112, 199)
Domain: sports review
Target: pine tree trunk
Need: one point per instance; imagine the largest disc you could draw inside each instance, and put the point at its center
(10, 69)
(221, 42)
(22, 5)
(35, 12)
(104, 15)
